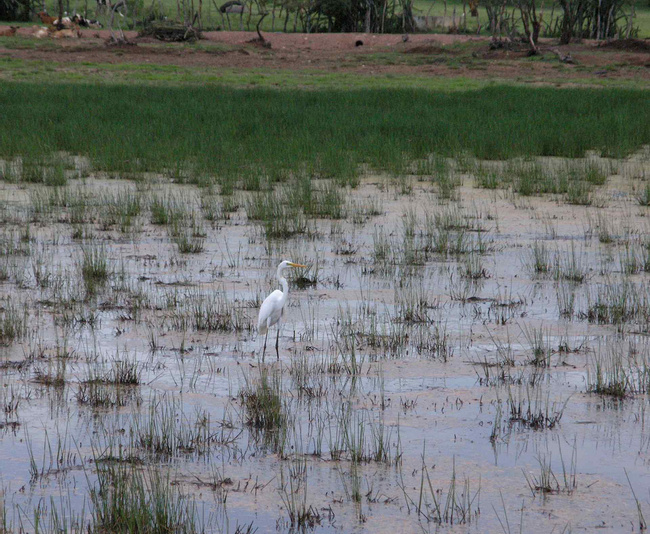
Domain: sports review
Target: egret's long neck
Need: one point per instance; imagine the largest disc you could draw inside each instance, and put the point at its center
(283, 282)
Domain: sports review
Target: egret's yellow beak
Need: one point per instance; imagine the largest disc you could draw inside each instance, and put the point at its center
(297, 265)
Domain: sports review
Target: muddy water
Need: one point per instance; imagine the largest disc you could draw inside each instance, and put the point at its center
(434, 406)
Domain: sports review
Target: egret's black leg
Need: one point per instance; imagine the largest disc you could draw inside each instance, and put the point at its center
(264, 351)
(277, 345)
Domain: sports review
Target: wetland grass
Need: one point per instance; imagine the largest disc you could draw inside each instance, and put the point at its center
(187, 240)
(13, 323)
(277, 213)
(565, 293)
(208, 311)
(540, 346)
(10, 400)
(487, 178)
(281, 130)
(360, 437)
(166, 431)
(46, 171)
(132, 500)
(569, 265)
(212, 208)
(643, 525)
(125, 371)
(94, 267)
(432, 341)
(100, 394)
(618, 303)
(579, 194)
(619, 370)
(575, 179)
(54, 374)
(293, 492)
(120, 209)
(529, 408)
(643, 196)
(459, 506)
(262, 402)
(472, 267)
(547, 482)
(632, 258)
(538, 260)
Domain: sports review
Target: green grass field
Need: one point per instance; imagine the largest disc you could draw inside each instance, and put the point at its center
(205, 133)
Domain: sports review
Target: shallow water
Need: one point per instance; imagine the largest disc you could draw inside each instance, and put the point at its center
(430, 409)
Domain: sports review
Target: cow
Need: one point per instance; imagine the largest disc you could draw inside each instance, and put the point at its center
(426, 23)
(40, 33)
(66, 34)
(11, 32)
(85, 23)
(45, 18)
(66, 22)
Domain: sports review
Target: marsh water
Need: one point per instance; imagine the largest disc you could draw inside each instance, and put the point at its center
(443, 363)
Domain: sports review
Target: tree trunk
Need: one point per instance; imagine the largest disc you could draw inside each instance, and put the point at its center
(531, 21)
(120, 37)
(60, 24)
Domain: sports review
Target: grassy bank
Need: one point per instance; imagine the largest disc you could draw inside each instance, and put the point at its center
(196, 132)
(463, 72)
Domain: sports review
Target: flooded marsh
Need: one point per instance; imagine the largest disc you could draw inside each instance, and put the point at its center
(466, 351)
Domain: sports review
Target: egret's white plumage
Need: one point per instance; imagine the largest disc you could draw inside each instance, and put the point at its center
(272, 308)
(271, 311)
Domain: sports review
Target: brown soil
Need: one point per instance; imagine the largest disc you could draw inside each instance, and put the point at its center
(422, 55)
(636, 45)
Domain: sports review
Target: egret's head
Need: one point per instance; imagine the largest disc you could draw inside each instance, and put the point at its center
(287, 263)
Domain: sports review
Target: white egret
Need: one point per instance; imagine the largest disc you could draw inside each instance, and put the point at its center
(272, 308)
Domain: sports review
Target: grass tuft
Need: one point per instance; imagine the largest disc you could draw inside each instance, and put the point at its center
(262, 402)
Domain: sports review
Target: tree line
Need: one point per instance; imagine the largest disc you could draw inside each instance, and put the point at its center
(567, 20)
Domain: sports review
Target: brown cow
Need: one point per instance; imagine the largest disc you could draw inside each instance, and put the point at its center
(66, 34)
(45, 18)
(10, 32)
(66, 22)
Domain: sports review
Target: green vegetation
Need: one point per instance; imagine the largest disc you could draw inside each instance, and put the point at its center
(13, 323)
(94, 268)
(126, 500)
(263, 404)
(212, 19)
(119, 72)
(240, 133)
